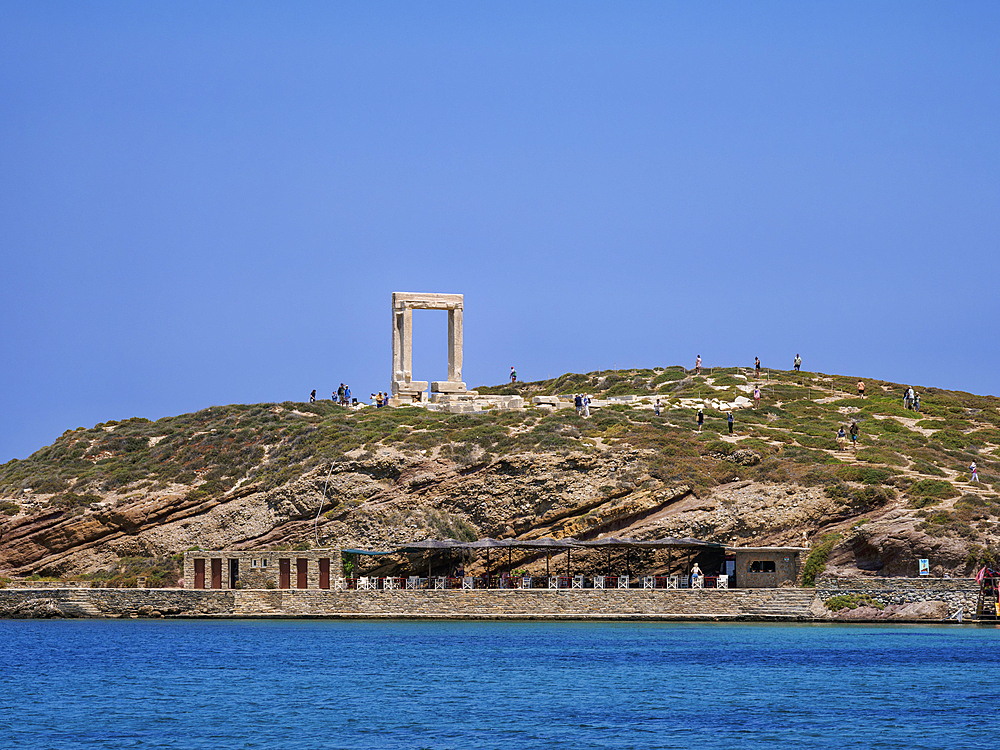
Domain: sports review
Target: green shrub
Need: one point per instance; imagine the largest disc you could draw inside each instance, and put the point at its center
(934, 488)
(851, 601)
(864, 474)
(816, 562)
(881, 456)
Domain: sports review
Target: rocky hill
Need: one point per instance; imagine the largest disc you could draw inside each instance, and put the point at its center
(125, 498)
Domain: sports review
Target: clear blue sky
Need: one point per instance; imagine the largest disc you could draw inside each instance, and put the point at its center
(211, 203)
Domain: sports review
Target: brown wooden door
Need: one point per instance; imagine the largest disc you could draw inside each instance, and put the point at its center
(302, 573)
(324, 572)
(216, 573)
(199, 574)
(284, 573)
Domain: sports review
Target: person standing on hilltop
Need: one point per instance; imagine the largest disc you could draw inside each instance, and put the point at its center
(731, 420)
(697, 365)
(861, 388)
(578, 403)
(513, 374)
(312, 397)
(756, 397)
(340, 395)
(798, 362)
(701, 419)
(916, 402)
(347, 395)
(756, 367)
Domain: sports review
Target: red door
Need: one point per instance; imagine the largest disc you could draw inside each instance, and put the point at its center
(302, 573)
(216, 574)
(324, 572)
(199, 574)
(284, 573)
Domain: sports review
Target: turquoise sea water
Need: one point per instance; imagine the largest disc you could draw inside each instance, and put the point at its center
(339, 684)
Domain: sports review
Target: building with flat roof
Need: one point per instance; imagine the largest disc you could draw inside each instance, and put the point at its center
(766, 567)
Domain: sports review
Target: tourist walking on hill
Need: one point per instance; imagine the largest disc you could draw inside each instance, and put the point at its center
(854, 436)
(340, 395)
(756, 397)
(513, 374)
(798, 362)
(756, 367)
(578, 403)
(975, 472)
(701, 419)
(347, 395)
(312, 397)
(916, 402)
(731, 420)
(861, 389)
(697, 365)
(586, 406)
(841, 438)
(656, 407)
(906, 399)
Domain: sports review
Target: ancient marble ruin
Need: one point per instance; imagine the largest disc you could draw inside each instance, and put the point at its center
(450, 394)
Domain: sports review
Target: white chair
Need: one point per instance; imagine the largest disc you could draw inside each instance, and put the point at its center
(623, 582)
(413, 582)
(553, 582)
(339, 584)
(440, 582)
(697, 582)
(672, 582)
(722, 583)
(598, 582)
(526, 582)
(362, 583)
(578, 582)
(391, 584)
(648, 582)
(467, 583)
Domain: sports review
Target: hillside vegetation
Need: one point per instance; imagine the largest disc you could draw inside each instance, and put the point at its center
(255, 475)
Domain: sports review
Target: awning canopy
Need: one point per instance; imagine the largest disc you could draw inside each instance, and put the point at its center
(370, 552)
(548, 543)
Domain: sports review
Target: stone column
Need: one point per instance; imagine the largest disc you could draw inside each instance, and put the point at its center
(455, 345)
(402, 344)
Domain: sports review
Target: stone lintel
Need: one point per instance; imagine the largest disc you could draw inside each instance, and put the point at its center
(426, 301)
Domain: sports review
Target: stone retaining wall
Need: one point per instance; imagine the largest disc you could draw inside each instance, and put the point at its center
(659, 604)
(707, 604)
(954, 592)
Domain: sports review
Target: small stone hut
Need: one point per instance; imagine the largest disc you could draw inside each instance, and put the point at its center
(767, 567)
(262, 569)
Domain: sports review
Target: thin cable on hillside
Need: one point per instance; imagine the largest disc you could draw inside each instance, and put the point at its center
(322, 503)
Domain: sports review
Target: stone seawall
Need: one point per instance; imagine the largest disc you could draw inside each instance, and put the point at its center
(639, 604)
(955, 592)
(708, 604)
